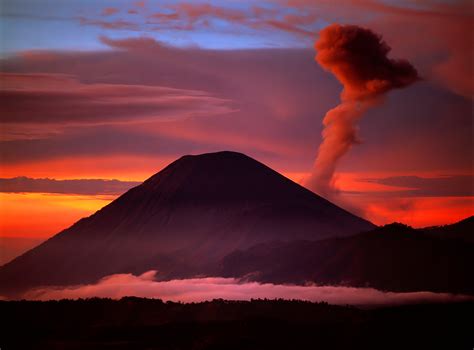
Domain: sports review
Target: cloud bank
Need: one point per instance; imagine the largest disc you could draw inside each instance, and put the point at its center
(201, 289)
(80, 186)
(62, 99)
(442, 186)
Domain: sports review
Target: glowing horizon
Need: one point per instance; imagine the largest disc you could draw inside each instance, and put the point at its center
(119, 92)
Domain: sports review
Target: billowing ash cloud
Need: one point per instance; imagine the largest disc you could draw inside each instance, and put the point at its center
(201, 289)
(358, 59)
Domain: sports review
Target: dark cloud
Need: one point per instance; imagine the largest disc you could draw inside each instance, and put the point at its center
(114, 24)
(90, 142)
(79, 186)
(443, 186)
(53, 98)
(147, 140)
(187, 16)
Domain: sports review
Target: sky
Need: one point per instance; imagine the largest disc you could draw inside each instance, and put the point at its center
(118, 89)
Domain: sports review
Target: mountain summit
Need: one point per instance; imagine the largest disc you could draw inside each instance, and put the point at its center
(181, 222)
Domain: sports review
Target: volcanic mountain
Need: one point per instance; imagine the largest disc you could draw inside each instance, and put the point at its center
(181, 222)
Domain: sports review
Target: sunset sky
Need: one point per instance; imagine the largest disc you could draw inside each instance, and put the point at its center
(118, 89)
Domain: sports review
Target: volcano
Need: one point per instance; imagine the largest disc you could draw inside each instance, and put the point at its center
(182, 221)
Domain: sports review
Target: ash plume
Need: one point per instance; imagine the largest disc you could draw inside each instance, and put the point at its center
(358, 59)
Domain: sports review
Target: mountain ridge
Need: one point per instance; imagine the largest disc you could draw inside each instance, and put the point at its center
(394, 257)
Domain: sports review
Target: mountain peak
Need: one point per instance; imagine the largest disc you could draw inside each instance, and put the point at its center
(216, 155)
(208, 162)
(214, 160)
(226, 175)
(182, 221)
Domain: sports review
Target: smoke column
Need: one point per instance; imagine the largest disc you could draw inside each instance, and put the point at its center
(358, 59)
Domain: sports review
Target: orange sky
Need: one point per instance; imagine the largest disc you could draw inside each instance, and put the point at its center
(121, 102)
(45, 214)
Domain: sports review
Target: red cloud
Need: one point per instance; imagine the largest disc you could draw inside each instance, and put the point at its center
(116, 24)
(108, 11)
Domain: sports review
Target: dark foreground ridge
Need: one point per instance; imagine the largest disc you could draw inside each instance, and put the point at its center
(134, 323)
(394, 257)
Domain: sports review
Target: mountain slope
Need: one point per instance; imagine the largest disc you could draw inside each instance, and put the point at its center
(462, 230)
(394, 257)
(181, 221)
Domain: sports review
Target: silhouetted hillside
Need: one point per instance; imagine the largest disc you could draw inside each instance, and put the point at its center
(462, 230)
(394, 258)
(133, 323)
